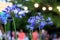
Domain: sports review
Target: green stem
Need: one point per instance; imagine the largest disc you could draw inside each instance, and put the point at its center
(5, 31)
(31, 34)
(40, 35)
(14, 28)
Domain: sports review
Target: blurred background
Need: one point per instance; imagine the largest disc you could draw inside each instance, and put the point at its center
(29, 16)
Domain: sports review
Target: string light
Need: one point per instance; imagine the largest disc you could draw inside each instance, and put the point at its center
(50, 8)
(43, 8)
(36, 5)
(58, 7)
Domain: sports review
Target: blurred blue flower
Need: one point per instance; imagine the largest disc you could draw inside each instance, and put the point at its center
(14, 7)
(50, 23)
(28, 26)
(42, 24)
(5, 21)
(39, 13)
(16, 15)
(20, 16)
(49, 19)
(33, 24)
(17, 10)
(8, 8)
(6, 13)
(31, 28)
(39, 21)
(3, 17)
(37, 17)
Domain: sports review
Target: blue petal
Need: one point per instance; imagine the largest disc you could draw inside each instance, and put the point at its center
(8, 8)
(49, 18)
(33, 24)
(50, 23)
(20, 16)
(31, 28)
(37, 17)
(16, 15)
(28, 26)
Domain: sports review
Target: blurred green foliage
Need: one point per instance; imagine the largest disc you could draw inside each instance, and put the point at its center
(54, 14)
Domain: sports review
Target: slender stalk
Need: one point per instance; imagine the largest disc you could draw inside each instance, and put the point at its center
(14, 28)
(31, 34)
(40, 35)
(5, 31)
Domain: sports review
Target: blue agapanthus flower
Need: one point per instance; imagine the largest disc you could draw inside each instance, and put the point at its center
(42, 24)
(39, 21)
(30, 27)
(3, 17)
(19, 13)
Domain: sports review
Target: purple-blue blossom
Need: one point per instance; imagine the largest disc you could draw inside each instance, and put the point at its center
(49, 19)
(31, 28)
(20, 16)
(28, 26)
(3, 17)
(42, 24)
(40, 21)
(50, 23)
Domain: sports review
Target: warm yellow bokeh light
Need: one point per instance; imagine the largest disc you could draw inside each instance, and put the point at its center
(50, 8)
(36, 5)
(58, 7)
(43, 8)
(3, 5)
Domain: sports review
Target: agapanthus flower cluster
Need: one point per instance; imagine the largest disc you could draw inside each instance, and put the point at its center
(19, 13)
(4, 17)
(16, 10)
(38, 21)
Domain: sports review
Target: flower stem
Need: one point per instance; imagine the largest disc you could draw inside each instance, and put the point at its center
(14, 28)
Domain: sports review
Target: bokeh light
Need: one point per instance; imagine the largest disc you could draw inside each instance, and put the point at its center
(50, 8)
(43, 8)
(36, 5)
(58, 7)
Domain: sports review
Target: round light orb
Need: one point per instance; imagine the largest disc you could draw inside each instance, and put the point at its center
(43, 8)
(36, 5)
(50, 8)
(58, 7)
(25, 8)
(59, 10)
